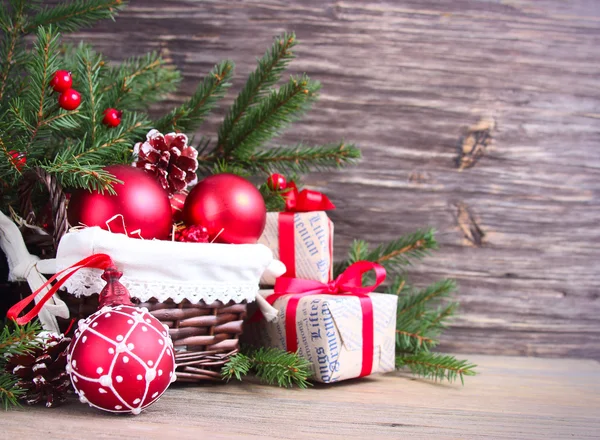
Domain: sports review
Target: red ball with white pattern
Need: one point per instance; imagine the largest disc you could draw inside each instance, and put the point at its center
(121, 359)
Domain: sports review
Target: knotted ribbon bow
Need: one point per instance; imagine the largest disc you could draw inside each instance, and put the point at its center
(306, 200)
(348, 283)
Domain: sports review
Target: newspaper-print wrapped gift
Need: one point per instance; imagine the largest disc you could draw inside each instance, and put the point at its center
(302, 236)
(340, 328)
(303, 241)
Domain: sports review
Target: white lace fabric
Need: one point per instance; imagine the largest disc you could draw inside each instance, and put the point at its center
(165, 270)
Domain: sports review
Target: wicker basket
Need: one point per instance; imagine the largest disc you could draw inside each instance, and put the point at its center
(205, 336)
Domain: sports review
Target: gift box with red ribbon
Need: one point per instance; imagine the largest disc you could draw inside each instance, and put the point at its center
(302, 236)
(343, 329)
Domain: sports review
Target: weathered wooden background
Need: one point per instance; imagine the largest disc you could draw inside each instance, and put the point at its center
(403, 79)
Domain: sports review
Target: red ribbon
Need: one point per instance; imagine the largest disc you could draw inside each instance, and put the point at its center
(287, 242)
(96, 261)
(348, 283)
(305, 200)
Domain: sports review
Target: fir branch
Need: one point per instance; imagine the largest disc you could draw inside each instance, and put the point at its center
(41, 68)
(15, 340)
(393, 255)
(138, 82)
(271, 365)
(190, 114)
(74, 174)
(69, 17)
(436, 366)
(132, 127)
(399, 252)
(413, 305)
(88, 68)
(417, 327)
(303, 158)
(267, 73)
(272, 114)
(274, 200)
(7, 53)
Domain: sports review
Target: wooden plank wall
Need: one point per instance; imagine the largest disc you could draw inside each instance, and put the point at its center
(404, 79)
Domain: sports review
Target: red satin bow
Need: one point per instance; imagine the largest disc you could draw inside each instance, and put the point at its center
(97, 261)
(348, 283)
(305, 200)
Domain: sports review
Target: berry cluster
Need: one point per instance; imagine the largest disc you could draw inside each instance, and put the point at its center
(69, 98)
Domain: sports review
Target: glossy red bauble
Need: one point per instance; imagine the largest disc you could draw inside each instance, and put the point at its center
(69, 99)
(61, 81)
(229, 206)
(276, 182)
(140, 200)
(121, 359)
(112, 117)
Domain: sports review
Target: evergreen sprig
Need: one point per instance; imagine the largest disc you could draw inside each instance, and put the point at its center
(275, 112)
(191, 113)
(422, 314)
(436, 366)
(268, 72)
(303, 158)
(418, 324)
(74, 15)
(271, 365)
(395, 255)
(14, 340)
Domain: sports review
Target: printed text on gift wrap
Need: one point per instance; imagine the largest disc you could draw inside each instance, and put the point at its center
(325, 340)
(314, 237)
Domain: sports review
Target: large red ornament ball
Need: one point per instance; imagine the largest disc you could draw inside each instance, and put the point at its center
(142, 202)
(121, 359)
(229, 206)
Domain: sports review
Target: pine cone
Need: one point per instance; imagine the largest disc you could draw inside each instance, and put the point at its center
(41, 373)
(169, 159)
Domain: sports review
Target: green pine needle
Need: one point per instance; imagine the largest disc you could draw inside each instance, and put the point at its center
(436, 366)
(269, 70)
(74, 15)
(395, 255)
(272, 114)
(15, 340)
(303, 158)
(191, 113)
(271, 365)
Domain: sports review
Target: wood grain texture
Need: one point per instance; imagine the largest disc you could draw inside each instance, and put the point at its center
(403, 79)
(511, 398)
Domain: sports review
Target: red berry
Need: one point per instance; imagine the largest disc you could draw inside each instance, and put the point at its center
(112, 117)
(61, 81)
(70, 99)
(18, 159)
(276, 182)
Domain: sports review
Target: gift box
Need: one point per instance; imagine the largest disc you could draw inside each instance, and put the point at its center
(333, 334)
(303, 241)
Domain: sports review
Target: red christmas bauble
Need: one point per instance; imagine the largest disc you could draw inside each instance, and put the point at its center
(229, 206)
(112, 117)
(142, 202)
(69, 99)
(121, 359)
(276, 182)
(61, 81)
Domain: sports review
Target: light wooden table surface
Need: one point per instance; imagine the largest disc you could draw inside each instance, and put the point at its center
(512, 398)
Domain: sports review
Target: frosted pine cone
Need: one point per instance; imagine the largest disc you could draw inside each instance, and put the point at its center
(168, 158)
(41, 372)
